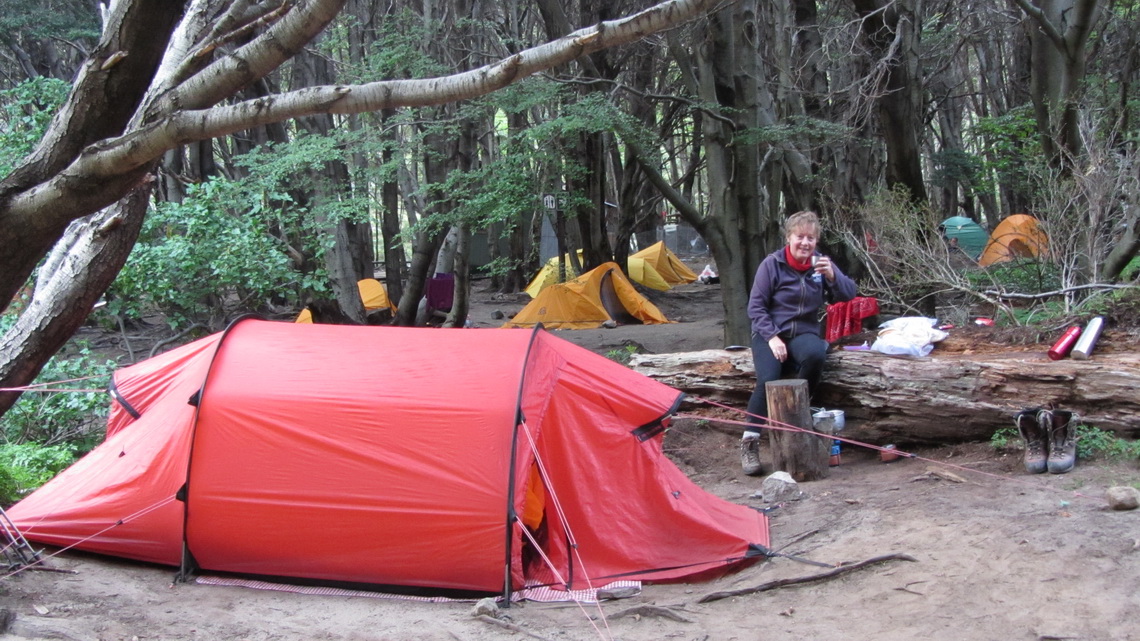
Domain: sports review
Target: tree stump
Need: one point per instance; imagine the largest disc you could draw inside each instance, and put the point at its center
(804, 455)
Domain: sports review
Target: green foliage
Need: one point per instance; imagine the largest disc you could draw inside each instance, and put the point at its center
(70, 20)
(196, 257)
(1131, 271)
(622, 354)
(797, 130)
(25, 112)
(953, 167)
(1005, 438)
(1009, 146)
(26, 466)
(1093, 442)
(75, 418)
(1024, 275)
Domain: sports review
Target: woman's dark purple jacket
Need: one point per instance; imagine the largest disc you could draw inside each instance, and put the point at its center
(786, 302)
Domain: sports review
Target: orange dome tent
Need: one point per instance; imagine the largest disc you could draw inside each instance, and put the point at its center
(1018, 236)
(601, 294)
(366, 455)
(659, 259)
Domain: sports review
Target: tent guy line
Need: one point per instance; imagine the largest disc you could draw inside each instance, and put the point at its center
(581, 606)
(127, 519)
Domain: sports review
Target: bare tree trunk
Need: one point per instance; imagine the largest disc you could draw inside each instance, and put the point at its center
(461, 300)
(100, 106)
(74, 280)
(438, 161)
(1060, 46)
(890, 28)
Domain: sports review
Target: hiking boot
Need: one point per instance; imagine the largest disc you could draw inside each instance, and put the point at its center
(1062, 430)
(1035, 437)
(750, 454)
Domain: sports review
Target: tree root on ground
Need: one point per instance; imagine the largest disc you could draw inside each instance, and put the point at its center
(831, 574)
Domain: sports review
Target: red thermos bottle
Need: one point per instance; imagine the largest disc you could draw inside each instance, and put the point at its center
(1061, 348)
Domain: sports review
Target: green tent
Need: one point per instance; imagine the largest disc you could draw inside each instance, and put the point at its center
(969, 234)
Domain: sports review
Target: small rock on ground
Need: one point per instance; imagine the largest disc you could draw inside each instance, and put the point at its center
(1123, 497)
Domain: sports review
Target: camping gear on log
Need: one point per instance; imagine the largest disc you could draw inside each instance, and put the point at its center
(883, 396)
(846, 318)
(1085, 344)
(1064, 345)
(801, 453)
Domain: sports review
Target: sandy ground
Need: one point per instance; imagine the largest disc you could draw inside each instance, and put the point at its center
(997, 555)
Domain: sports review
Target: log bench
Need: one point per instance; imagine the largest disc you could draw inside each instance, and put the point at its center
(939, 399)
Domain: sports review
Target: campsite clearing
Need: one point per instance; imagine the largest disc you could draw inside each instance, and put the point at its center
(999, 555)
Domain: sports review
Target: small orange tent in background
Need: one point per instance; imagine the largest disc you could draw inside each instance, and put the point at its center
(601, 294)
(372, 294)
(658, 258)
(1018, 236)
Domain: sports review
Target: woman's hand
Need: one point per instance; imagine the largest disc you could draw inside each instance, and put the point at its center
(779, 349)
(822, 265)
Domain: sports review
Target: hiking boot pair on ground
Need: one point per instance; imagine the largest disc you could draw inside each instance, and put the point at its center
(1050, 439)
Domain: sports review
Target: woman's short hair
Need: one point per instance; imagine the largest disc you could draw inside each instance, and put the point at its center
(802, 219)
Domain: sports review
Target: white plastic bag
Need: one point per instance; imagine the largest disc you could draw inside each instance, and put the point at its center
(908, 336)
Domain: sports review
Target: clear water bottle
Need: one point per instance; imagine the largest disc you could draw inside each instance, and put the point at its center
(834, 460)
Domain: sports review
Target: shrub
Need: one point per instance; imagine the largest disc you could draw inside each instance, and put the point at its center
(26, 466)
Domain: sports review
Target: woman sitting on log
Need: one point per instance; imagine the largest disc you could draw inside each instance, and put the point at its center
(791, 285)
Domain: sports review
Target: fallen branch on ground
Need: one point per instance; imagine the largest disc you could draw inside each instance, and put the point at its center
(779, 583)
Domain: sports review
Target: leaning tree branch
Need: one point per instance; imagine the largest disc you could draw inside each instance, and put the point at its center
(1047, 27)
(114, 157)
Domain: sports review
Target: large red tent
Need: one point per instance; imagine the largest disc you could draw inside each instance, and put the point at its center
(392, 456)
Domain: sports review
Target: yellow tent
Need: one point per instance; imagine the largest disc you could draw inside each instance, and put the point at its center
(654, 267)
(1018, 236)
(372, 294)
(548, 275)
(670, 268)
(600, 295)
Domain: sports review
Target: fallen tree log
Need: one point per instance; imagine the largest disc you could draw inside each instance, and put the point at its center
(943, 398)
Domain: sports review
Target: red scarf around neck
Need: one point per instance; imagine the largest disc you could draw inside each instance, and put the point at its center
(795, 264)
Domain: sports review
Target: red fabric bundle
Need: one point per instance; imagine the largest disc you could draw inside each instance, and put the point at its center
(844, 319)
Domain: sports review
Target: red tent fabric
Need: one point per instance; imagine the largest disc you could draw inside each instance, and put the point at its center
(394, 456)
